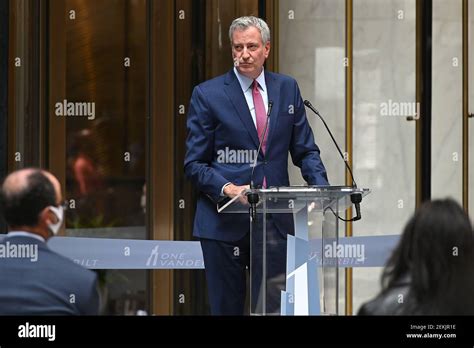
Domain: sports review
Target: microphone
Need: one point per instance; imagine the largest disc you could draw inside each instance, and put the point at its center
(252, 197)
(356, 198)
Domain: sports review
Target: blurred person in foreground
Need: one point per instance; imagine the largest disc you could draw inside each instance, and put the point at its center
(431, 270)
(34, 279)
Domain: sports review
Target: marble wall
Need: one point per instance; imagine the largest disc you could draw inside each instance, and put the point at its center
(384, 42)
(312, 50)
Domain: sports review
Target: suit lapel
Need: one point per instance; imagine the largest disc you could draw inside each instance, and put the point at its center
(273, 91)
(235, 94)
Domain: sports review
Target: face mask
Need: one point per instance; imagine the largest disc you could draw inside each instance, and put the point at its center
(59, 212)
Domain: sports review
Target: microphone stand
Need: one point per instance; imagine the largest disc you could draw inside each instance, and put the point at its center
(356, 198)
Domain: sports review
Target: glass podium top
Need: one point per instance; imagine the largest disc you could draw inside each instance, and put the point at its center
(287, 199)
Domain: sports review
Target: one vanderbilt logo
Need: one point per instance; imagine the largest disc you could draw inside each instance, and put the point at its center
(83, 109)
(37, 331)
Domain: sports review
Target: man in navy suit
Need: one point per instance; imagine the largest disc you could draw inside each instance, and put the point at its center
(34, 279)
(225, 121)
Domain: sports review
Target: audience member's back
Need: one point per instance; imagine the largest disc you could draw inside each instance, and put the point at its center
(34, 279)
(431, 270)
(51, 285)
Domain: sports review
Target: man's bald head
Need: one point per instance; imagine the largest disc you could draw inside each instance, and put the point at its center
(25, 194)
(17, 181)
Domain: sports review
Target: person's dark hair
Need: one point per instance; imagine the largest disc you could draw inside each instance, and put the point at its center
(22, 207)
(436, 252)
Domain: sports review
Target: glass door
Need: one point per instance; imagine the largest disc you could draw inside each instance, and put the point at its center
(97, 130)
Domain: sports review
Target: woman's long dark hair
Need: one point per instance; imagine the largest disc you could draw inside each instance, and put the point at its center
(436, 252)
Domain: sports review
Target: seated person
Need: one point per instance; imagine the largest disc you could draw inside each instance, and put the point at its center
(34, 280)
(431, 270)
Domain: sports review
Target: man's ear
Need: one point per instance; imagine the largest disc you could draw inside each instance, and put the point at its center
(267, 49)
(47, 216)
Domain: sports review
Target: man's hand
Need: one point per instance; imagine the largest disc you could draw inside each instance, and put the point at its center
(232, 190)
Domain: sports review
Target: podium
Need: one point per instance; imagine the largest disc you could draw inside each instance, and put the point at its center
(294, 250)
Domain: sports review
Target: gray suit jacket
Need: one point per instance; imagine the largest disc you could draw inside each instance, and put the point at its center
(51, 285)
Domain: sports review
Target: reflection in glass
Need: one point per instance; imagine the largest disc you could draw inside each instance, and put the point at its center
(104, 113)
(106, 76)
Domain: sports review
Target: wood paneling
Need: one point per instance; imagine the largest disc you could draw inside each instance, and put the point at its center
(219, 16)
(57, 92)
(272, 16)
(161, 179)
(4, 38)
(25, 113)
(190, 286)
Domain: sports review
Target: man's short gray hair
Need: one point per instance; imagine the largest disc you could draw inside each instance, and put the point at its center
(243, 23)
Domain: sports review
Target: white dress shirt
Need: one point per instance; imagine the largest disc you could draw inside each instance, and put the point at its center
(25, 234)
(246, 85)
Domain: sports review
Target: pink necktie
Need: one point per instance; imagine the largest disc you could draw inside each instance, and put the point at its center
(260, 114)
(261, 117)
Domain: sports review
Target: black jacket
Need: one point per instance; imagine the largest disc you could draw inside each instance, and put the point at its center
(393, 301)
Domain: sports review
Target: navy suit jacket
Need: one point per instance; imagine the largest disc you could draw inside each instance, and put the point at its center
(52, 285)
(219, 119)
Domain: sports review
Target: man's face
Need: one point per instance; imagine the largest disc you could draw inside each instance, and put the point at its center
(249, 52)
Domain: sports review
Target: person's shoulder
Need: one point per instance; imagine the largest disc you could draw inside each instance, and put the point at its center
(389, 302)
(216, 82)
(280, 77)
(21, 239)
(373, 307)
(68, 266)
